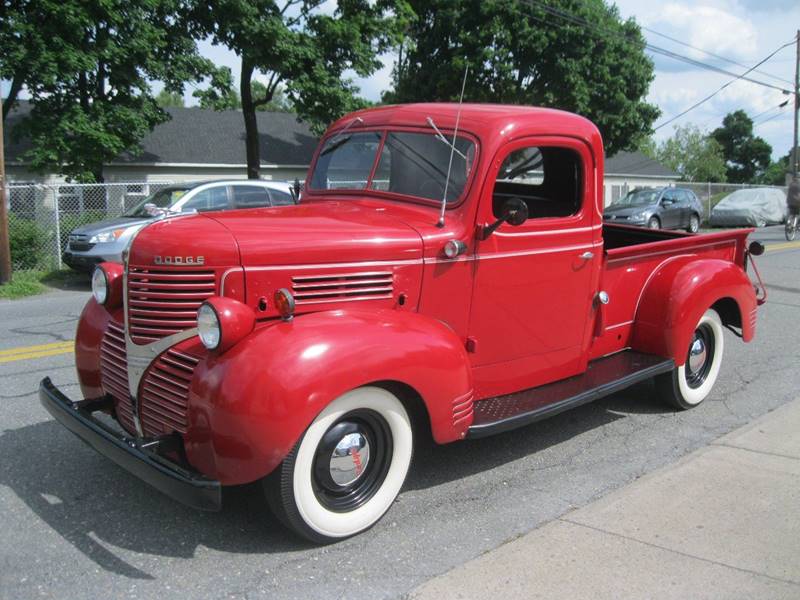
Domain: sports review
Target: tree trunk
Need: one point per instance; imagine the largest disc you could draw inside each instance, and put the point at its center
(16, 86)
(250, 123)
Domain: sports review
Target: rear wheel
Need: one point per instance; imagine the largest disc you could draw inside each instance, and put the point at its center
(654, 223)
(791, 227)
(694, 224)
(688, 385)
(346, 470)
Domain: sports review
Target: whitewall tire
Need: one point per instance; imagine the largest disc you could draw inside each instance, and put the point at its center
(688, 385)
(347, 469)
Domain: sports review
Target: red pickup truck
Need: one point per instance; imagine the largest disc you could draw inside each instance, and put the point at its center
(447, 274)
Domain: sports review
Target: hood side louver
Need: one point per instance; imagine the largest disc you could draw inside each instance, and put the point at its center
(318, 289)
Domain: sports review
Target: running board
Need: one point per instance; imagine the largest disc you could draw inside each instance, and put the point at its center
(604, 376)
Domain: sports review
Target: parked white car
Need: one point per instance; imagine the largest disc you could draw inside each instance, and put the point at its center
(105, 240)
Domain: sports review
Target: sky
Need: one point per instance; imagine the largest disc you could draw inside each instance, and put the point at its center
(745, 31)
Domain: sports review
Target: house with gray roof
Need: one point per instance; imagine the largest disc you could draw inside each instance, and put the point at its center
(198, 143)
(195, 143)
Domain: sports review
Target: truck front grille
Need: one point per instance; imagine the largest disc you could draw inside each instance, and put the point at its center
(316, 289)
(164, 397)
(162, 302)
(114, 373)
(164, 391)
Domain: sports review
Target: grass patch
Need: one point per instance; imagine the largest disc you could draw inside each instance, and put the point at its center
(23, 283)
(31, 282)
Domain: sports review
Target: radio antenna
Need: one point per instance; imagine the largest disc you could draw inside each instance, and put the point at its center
(440, 223)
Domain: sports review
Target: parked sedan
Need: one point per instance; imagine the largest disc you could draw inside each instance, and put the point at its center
(657, 208)
(105, 240)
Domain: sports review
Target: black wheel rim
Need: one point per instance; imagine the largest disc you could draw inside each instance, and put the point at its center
(372, 433)
(700, 356)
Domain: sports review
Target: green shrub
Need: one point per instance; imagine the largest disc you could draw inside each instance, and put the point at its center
(30, 244)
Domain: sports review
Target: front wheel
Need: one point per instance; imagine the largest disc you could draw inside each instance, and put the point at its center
(346, 470)
(688, 385)
(654, 223)
(694, 224)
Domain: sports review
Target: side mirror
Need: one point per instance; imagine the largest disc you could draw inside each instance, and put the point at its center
(515, 212)
(667, 201)
(756, 248)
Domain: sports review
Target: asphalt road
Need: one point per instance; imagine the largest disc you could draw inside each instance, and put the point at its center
(76, 526)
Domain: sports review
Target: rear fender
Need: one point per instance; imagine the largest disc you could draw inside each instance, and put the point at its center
(250, 405)
(677, 296)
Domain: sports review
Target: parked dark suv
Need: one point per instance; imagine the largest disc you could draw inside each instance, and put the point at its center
(657, 208)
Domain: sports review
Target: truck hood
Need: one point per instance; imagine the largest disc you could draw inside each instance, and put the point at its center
(316, 233)
(320, 232)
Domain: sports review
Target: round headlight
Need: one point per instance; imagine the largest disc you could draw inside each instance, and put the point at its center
(208, 326)
(99, 286)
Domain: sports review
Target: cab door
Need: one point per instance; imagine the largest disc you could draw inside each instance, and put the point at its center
(535, 284)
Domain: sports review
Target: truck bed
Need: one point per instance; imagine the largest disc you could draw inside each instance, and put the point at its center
(633, 254)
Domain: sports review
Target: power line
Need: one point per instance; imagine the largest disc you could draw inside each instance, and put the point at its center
(652, 47)
(718, 56)
(775, 116)
(707, 98)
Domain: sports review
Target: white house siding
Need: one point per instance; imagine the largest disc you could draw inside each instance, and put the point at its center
(615, 186)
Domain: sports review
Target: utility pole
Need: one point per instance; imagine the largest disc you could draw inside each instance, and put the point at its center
(795, 152)
(5, 249)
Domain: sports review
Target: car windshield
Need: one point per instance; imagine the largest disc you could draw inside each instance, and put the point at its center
(638, 198)
(161, 199)
(410, 164)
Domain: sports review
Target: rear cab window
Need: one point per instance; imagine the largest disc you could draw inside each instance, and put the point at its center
(547, 178)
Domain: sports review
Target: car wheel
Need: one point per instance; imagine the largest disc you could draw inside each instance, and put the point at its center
(688, 385)
(654, 223)
(346, 470)
(694, 224)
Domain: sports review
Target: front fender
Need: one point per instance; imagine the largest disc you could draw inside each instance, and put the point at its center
(678, 295)
(250, 405)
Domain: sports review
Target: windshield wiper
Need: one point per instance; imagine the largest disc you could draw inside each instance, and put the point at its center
(440, 136)
(340, 138)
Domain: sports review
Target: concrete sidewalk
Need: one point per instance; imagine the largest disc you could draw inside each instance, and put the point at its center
(724, 522)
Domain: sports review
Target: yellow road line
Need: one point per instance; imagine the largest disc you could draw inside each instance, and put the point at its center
(37, 351)
(783, 246)
(37, 348)
(40, 354)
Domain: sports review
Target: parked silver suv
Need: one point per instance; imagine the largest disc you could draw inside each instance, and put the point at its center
(105, 240)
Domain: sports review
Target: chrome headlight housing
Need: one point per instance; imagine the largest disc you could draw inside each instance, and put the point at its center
(208, 326)
(99, 286)
(106, 236)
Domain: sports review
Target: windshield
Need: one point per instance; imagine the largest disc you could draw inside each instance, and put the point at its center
(411, 164)
(638, 198)
(162, 199)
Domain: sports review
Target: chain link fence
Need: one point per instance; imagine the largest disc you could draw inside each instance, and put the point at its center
(41, 216)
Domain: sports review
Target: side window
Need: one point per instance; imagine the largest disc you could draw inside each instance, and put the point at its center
(250, 196)
(671, 195)
(547, 179)
(215, 198)
(280, 198)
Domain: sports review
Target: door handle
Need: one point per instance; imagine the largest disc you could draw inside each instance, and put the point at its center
(587, 255)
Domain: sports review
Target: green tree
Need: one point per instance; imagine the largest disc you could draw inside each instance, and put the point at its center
(693, 155)
(228, 99)
(167, 99)
(86, 65)
(747, 156)
(298, 47)
(776, 173)
(519, 52)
